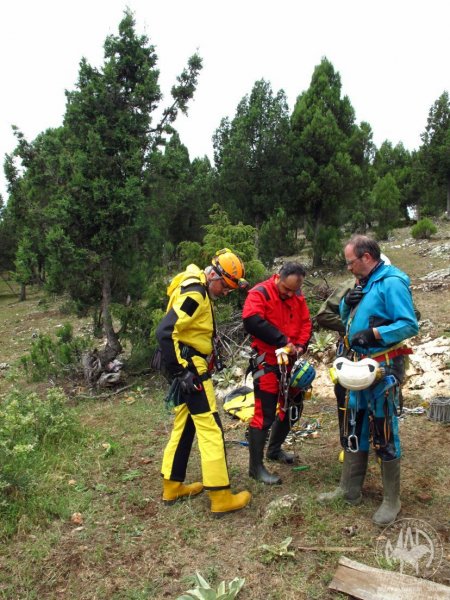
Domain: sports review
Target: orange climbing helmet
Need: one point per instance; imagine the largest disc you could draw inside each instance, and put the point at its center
(230, 267)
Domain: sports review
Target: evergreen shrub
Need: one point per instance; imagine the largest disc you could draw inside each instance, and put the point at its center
(53, 358)
(423, 229)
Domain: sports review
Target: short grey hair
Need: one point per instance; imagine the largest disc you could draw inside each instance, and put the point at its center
(362, 244)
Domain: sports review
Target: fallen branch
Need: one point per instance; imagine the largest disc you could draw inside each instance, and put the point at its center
(103, 396)
(122, 389)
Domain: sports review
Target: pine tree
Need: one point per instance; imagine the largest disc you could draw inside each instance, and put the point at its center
(96, 248)
(436, 143)
(252, 156)
(328, 176)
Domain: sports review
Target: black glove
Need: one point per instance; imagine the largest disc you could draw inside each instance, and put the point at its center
(354, 296)
(363, 339)
(189, 382)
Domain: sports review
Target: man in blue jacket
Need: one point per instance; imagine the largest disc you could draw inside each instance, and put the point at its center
(378, 315)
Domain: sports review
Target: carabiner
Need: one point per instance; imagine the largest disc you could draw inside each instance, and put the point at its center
(293, 413)
(340, 347)
(352, 439)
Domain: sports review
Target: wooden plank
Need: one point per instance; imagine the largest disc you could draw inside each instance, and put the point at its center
(368, 583)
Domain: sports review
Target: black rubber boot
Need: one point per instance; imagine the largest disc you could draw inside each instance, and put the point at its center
(278, 434)
(257, 470)
(352, 478)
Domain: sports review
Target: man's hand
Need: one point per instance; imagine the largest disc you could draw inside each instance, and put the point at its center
(282, 354)
(354, 296)
(189, 382)
(299, 350)
(363, 339)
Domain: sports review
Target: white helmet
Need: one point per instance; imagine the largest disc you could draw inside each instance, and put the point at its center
(355, 375)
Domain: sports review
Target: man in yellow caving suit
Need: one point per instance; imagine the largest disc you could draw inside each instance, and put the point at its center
(185, 337)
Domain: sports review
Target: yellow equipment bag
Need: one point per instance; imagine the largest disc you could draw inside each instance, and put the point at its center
(240, 403)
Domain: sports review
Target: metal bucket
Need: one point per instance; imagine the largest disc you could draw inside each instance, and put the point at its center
(439, 409)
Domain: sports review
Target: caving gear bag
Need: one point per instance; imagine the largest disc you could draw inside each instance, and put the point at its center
(240, 403)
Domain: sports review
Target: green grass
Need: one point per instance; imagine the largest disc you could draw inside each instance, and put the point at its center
(131, 546)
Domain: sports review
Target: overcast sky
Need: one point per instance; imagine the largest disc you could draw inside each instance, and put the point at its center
(392, 55)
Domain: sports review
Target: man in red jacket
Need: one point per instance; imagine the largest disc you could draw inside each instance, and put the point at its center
(276, 315)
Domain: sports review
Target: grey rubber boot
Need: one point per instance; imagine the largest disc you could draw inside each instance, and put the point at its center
(278, 434)
(352, 478)
(391, 505)
(257, 470)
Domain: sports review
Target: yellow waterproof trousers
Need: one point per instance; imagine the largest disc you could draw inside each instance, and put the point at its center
(197, 415)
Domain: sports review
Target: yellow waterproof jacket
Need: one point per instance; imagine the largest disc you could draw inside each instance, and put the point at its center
(187, 329)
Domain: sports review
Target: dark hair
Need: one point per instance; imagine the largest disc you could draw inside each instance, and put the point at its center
(292, 268)
(362, 244)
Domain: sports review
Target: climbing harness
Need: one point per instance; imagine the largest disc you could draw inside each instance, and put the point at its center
(390, 353)
(256, 366)
(380, 418)
(294, 383)
(371, 383)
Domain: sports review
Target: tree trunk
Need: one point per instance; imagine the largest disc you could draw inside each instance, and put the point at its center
(95, 364)
(113, 346)
(448, 198)
(41, 273)
(317, 252)
(23, 292)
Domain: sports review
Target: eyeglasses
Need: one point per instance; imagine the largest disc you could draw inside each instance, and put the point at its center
(224, 284)
(350, 262)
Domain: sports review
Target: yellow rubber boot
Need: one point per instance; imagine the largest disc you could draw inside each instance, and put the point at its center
(223, 501)
(175, 490)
